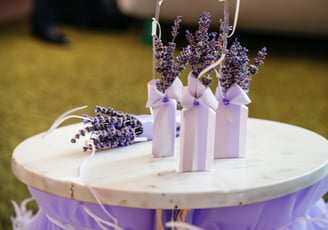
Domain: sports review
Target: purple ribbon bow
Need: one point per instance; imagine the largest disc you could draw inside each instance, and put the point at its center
(197, 94)
(234, 95)
(155, 97)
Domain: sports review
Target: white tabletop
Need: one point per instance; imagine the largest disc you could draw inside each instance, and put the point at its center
(281, 159)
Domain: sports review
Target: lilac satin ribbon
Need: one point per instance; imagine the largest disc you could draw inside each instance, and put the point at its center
(163, 107)
(148, 123)
(197, 127)
(197, 94)
(147, 126)
(155, 97)
(234, 95)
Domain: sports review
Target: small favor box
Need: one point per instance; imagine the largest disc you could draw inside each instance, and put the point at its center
(231, 123)
(230, 131)
(197, 128)
(164, 111)
(164, 129)
(196, 139)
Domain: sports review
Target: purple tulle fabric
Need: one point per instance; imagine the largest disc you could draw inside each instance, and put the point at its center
(70, 212)
(302, 210)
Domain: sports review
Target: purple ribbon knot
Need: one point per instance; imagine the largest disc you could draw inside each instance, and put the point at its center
(226, 101)
(165, 99)
(196, 103)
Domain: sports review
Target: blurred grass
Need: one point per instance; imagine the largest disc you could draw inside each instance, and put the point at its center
(39, 81)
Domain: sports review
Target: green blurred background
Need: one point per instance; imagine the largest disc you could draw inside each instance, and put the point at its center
(39, 81)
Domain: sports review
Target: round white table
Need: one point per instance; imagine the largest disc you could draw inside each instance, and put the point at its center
(282, 161)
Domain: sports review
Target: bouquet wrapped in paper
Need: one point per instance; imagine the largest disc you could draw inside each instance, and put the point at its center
(197, 127)
(198, 101)
(232, 95)
(164, 92)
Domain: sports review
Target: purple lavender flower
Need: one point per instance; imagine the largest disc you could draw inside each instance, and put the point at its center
(204, 48)
(237, 69)
(109, 129)
(261, 55)
(167, 65)
(176, 26)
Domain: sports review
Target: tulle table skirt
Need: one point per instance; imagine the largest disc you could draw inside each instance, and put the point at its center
(302, 210)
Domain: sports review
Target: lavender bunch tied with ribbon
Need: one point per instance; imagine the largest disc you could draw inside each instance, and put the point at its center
(109, 129)
(169, 66)
(237, 68)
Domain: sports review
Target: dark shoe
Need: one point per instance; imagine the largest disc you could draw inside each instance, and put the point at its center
(51, 35)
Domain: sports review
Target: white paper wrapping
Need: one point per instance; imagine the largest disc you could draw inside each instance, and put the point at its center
(197, 127)
(231, 123)
(163, 107)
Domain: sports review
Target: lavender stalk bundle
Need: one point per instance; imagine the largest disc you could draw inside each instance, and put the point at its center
(109, 129)
(168, 65)
(237, 69)
(204, 48)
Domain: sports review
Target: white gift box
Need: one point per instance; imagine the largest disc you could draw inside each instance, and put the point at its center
(231, 123)
(196, 139)
(197, 127)
(163, 107)
(164, 129)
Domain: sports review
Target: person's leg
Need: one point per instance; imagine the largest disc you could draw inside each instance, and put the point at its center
(44, 20)
(104, 14)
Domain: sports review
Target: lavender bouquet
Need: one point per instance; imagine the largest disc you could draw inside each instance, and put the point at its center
(204, 48)
(165, 92)
(237, 69)
(232, 95)
(198, 102)
(109, 129)
(169, 66)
